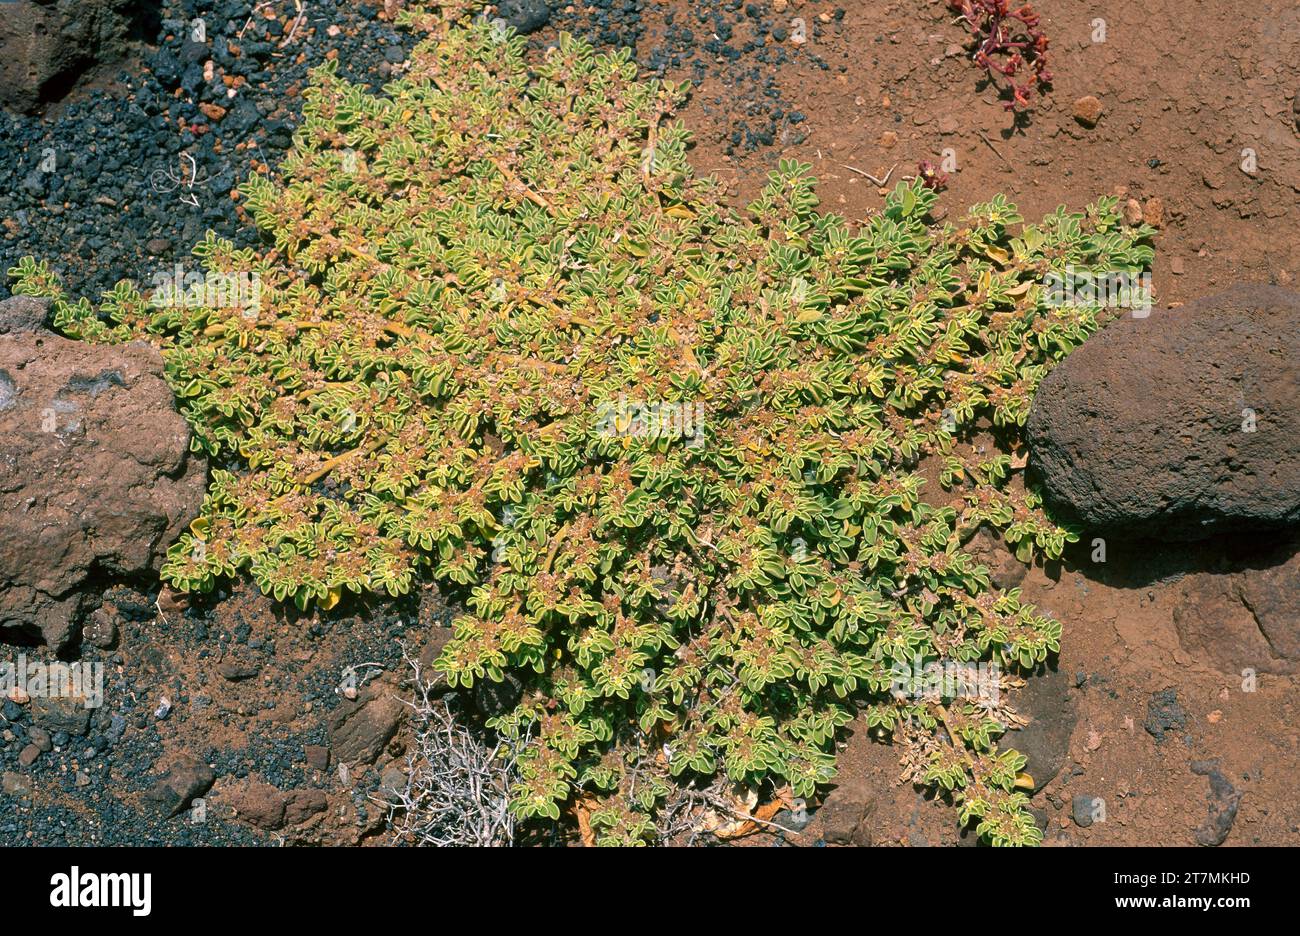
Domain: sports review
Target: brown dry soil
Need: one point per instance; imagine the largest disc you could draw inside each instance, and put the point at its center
(1184, 89)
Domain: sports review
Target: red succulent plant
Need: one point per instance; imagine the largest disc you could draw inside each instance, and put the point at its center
(1008, 42)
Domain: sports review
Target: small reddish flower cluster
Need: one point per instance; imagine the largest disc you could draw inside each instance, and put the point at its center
(1008, 43)
(931, 177)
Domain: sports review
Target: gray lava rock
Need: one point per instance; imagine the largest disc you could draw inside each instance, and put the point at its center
(1222, 802)
(1082, 810)
(96, 477)
(23, 314)
(1178, 426)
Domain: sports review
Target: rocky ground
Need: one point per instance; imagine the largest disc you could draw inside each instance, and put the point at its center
(231, 720)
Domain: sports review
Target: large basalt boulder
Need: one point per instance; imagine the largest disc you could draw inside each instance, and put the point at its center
(1178, 426)
(96, 477)
(46, 45)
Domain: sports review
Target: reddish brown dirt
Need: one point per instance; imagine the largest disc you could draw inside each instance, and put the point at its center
(1191, 85)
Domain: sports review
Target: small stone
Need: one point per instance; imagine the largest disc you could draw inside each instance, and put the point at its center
(1153, 212)
(526, 16)
(1132, 212)
(360, 729)
(101, 628)
(888, 139)
(213, 112)
(1087, 110)
(186, 779)
(318, 756)
(392, 781)
(28, 755)
(303, 804)
(62, 716)
(237, 672)
(260, 805)
(792, 821)
(1221, 804)
(1164, 715)
(41, 738)
(847, 818)
(1082, 809)
(780, 6)
(171, 601)
(15, 784)
(1176, 266)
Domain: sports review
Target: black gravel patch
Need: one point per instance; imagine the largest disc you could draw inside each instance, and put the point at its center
(1164, 715)
(737, 44)
(106, 189)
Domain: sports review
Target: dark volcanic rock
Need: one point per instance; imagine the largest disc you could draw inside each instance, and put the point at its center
(1164, 715)
(525, 15)
(96, 477)
(45, 46)
(56, 714)
(1045, 741)
(1178, 426)
(187, 779)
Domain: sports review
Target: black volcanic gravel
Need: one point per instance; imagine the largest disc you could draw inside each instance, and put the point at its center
(115, 201)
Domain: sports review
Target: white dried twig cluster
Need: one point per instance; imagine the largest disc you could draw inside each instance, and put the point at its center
(457, 784)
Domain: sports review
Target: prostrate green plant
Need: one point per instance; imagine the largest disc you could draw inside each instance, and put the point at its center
(506, 337)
